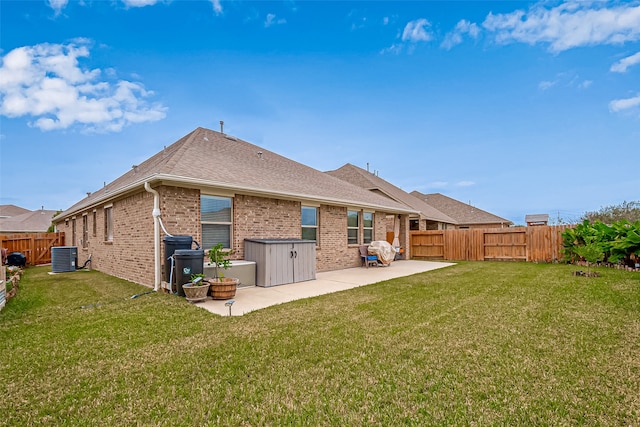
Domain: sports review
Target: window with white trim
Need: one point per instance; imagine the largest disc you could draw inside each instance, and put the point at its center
(353, 227)
(215, 217)
(310, 223)
(108, 223)
(367, 227)
(85, 231)
(73, 230)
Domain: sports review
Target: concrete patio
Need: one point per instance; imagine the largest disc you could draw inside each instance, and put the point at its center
(254, 298)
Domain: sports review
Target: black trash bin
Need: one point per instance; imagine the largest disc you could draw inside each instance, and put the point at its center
(171, 244)
(187, 262)
(17, 259)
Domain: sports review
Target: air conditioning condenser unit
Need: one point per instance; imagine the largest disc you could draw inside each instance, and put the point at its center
(64, 259)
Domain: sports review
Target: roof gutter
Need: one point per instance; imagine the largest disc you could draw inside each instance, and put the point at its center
(281, 194)
(255, 190)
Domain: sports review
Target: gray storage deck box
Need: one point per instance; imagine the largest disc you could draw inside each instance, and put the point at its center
(281, 261)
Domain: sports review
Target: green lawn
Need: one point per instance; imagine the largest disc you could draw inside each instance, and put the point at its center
(473, 344)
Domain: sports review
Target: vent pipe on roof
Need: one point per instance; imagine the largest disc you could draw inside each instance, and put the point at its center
(221, 126)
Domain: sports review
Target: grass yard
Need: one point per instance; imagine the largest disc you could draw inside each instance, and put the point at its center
(473, 344)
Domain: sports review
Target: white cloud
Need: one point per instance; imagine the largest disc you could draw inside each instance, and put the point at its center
(569, 25)
(414, 32)
(217, 6)
(567, 79)
(47, 83)
(622, 65)
(139, 3)
(465, 184)
(395, 48)
(624, 103)
(417, 31)
(438, 184)
(57, 5)
(271, 20)
(455, 37)
(544, 85)
(585, 84)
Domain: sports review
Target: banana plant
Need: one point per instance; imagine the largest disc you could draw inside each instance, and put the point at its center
(618, 241)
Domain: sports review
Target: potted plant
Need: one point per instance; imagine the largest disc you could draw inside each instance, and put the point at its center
(197, 289)
(221, 287)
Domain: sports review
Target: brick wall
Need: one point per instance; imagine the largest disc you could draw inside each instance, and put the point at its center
(180, 208)
(130, 254)
(263, 218)
(333, 252)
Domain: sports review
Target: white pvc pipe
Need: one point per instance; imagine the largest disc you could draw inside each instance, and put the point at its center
(156, 236)
(164, 229)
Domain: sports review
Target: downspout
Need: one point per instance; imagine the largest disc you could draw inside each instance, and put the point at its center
(156, 236)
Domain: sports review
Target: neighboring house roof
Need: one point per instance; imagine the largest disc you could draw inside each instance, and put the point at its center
(206, 158)
(31, 221)
(536, 218)
(463, 213)
(372, 182)
(7, 211)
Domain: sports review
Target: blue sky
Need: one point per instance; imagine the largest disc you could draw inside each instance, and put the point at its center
(515, 107)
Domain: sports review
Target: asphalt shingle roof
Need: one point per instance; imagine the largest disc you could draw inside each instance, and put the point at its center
(463, 213)
(31, 221)
(372, 182)
(209, 158)
(8, 211)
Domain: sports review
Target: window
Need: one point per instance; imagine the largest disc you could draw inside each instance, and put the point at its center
(108, 223)
(95, 223)
(310, 223)
(367, 227)
(215, 214)
(73, 230)
(85, 231)
(353, 227)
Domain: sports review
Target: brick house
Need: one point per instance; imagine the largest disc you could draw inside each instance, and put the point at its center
(427, 218)
(218, 188)
(465, 214)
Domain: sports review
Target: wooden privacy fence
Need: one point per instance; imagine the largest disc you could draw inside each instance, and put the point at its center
(36, 247)
(535, 244)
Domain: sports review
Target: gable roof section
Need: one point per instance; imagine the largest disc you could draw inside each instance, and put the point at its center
(462, 212)
(536, 218)
(206, 158)
(371, 182)
(31, 221)
(7, 211)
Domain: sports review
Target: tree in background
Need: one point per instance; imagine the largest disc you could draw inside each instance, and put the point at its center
(629, 211)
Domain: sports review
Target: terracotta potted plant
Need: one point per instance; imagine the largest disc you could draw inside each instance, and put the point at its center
(197, 289)
(221, 287)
